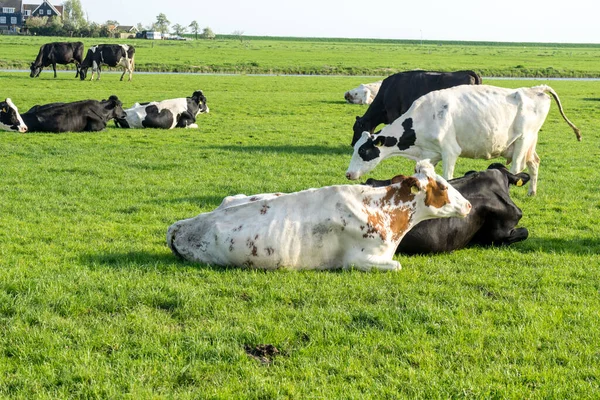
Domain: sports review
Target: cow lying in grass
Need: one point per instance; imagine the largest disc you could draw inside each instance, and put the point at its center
(364, 94)
(165, 114)
(78, 116)
(10, 119)
(491, 222)
(331, 227)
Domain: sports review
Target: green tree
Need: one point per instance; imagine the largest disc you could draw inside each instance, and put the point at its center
(73, 15)
(195, 28)
(162, 23)
(179, 29)
(207, 33)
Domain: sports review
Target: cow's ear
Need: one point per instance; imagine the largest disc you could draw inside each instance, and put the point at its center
(357, 117)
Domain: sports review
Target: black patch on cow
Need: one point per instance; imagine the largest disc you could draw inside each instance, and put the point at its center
(368, 151)
(156, 119)
(409, 136)
(387, 141)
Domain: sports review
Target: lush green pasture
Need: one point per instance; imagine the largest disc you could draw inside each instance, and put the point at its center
(94, 305)
(341, 57)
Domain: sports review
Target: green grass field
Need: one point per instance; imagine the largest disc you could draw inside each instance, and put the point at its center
(94, 305)
(334, 57)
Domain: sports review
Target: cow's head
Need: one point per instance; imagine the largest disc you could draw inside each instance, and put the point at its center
(115, 108)
(35, 70)
(369, 151)
(10, 119)
(438, 196)
(359, 95)
(200, 99)
(358, 128)
(82, 72)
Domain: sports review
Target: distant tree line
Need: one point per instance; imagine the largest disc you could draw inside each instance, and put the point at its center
(73, 23)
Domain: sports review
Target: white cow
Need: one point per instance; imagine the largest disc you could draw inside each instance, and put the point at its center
(329, 227)
(471, 121)
(364, 94)
(10, 119)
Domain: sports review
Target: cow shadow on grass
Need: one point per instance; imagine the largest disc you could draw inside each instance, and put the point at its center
(337, 149)
(591, 98)
(577, 246)
(164, 261)
(142, 260)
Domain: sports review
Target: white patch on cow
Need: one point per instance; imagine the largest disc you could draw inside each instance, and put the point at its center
(21, 126)
(331, 227)
(137, 113)
(364, 94)
(471, 121)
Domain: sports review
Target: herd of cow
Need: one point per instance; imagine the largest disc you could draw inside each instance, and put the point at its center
(428, 116)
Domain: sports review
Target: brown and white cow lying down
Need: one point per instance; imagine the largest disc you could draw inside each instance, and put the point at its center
(330, 227)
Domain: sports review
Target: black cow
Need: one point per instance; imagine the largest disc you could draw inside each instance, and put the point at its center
(165, 114)
(399, 91)
(57, 53)
(111, 55)
(79, 116)
(491, 222)
(10, 119)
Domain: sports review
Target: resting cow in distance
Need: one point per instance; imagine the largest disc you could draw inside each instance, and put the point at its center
(491, 222)
(79, 116)
(330, 227)
(465, 121)
(10, 119)
(364, 94)
(166, 114)
(57, 53)
(112, 55)
(399, 91)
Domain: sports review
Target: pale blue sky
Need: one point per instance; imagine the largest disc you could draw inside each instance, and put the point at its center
(506, 20)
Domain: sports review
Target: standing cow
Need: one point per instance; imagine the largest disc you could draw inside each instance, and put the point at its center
(330, 227)
(399, 91)
(78, 116)
(10, 119)
(464, 121)
(57, 53)
(166, 114)
(109, 54)
(491, 222)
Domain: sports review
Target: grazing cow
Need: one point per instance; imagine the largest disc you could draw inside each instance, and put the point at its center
(399, 91)
(79, 116)
(364, 94)
(10, 119)
(57, 53)
(464, 121)
(111, 55)
(166, 114)
(330, 227)
(491, 222)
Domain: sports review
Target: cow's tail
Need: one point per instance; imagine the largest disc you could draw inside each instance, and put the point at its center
(548, 89)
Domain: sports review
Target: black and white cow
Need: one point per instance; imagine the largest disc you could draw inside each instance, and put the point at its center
(57, 53)
(399, 91)
(331, 227)
(491, 222)
(109, 54)
(465, 121)
(165, 114)
(79, 116)
(10, 119)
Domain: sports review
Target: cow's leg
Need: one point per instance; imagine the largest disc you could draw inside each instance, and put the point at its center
(54, 68)
(533, 165)
(123, 74)
(450, 153)
(378, 262)
(76, 70)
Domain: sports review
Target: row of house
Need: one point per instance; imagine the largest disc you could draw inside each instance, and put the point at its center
(14, 14)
